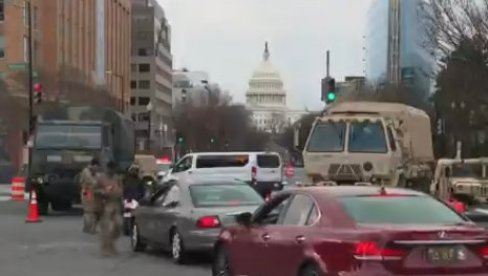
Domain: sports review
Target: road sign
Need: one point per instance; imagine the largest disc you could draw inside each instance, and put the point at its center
(17, 66)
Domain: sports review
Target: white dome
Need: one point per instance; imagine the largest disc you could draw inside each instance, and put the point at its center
(266, 85)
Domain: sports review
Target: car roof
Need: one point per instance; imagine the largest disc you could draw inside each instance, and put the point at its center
(233, 153)
(342, 191)
(189, 181)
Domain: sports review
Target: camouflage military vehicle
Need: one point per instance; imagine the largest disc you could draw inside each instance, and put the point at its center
(465, 178)
(381, 143)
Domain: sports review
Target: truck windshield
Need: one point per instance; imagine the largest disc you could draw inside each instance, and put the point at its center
(466, 170)
(327, 137)
(68, 136)
(367, 136)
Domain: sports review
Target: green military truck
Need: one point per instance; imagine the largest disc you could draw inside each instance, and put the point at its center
(65, 141)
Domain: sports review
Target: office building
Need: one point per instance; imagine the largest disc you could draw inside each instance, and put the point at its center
(151, 75)
(396, 46)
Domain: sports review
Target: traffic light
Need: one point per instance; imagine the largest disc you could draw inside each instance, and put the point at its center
(38, 93)
(179, 138)
(331, 91)
(212, 140)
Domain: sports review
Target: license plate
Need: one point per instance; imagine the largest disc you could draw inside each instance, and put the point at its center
(442, 254)
(127, 215)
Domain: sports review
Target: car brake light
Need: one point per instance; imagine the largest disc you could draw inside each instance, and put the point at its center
(370, 251)
(484, 252)
(208, 222)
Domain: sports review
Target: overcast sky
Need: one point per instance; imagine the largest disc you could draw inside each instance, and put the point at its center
(226, 39)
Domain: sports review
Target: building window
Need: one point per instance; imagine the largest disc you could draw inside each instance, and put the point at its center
(145, 67)
(2, 10)
(144, 100)
(142, 52)
(2, 46)
(134, 117)
(144, 84)
(133, 67)
(133, 84)
(132, 100)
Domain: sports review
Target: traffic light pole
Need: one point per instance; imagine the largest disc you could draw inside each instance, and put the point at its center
(30, 71)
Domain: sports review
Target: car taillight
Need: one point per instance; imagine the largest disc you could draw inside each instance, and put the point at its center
(254, 173)
(208, 222)
(371, 251)
(484, 252)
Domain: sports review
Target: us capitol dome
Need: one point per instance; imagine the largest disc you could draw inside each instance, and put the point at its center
(266, 98)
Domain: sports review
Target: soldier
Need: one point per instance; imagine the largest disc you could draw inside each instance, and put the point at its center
(88, 179)
(108, 192)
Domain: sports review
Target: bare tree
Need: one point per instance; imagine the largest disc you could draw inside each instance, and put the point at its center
(220, 126)
(277, 122)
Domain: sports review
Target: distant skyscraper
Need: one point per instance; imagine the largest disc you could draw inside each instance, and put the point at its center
(396, 46)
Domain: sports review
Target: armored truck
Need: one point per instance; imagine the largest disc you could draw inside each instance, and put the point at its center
(380, 143)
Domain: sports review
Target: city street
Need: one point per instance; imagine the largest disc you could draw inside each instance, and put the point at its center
(57, 246)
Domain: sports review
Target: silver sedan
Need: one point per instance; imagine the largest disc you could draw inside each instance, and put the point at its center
(186, 216)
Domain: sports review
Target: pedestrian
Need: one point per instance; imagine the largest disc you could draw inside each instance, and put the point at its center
(133, 185)
(88, 179)
(108, 192)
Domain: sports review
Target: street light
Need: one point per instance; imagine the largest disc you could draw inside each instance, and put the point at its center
(149, 108)
(121, 77)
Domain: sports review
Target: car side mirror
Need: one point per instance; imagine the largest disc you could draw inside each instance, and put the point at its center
(244, 219)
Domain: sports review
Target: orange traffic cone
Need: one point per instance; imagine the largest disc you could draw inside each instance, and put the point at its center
(33, 215)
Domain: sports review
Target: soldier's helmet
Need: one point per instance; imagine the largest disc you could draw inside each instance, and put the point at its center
(134, 168)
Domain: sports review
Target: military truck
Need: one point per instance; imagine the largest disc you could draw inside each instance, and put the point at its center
(65, 141)
(380, 143)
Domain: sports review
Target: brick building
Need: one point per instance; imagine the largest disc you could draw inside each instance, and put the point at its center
(80, 47)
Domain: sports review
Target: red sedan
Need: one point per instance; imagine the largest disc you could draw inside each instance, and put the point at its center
(352, 231)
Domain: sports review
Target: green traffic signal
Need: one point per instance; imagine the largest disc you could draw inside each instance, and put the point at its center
(212, 140)
(331, 96)
(180, 140)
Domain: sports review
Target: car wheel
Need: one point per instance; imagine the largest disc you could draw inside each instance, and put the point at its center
(137, 242)
(220, 263)
(311, 270)
(178, 252)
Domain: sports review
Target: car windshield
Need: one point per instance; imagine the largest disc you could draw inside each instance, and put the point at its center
(224, 195)
(68, 136)
(327, 137)
(466, 170)
(422, 210)
(367, 137)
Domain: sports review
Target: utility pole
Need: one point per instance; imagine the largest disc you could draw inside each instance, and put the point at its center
(328, 64)
(30, 72)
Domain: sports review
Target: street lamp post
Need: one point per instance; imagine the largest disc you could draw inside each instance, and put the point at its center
(122, 91)
(149, 108)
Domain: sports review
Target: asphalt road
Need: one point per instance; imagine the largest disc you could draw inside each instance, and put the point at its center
(56, 246)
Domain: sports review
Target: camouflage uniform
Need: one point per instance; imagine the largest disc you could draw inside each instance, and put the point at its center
(88, 179)
(108, 192)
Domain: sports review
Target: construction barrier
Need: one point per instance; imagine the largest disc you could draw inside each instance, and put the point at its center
(18, 188)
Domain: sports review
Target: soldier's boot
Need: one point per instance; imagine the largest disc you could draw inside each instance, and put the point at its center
(86, 223)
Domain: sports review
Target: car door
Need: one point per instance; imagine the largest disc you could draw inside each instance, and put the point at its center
(145, 215)
(166, 214)
(247, 249)
(182, 168)
(288, 239)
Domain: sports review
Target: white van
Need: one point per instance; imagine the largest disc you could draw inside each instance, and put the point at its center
(261, 169)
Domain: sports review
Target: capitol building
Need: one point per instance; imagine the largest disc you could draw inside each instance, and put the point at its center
(266, 98)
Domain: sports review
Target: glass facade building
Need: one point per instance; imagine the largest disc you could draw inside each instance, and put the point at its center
(396, 46)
